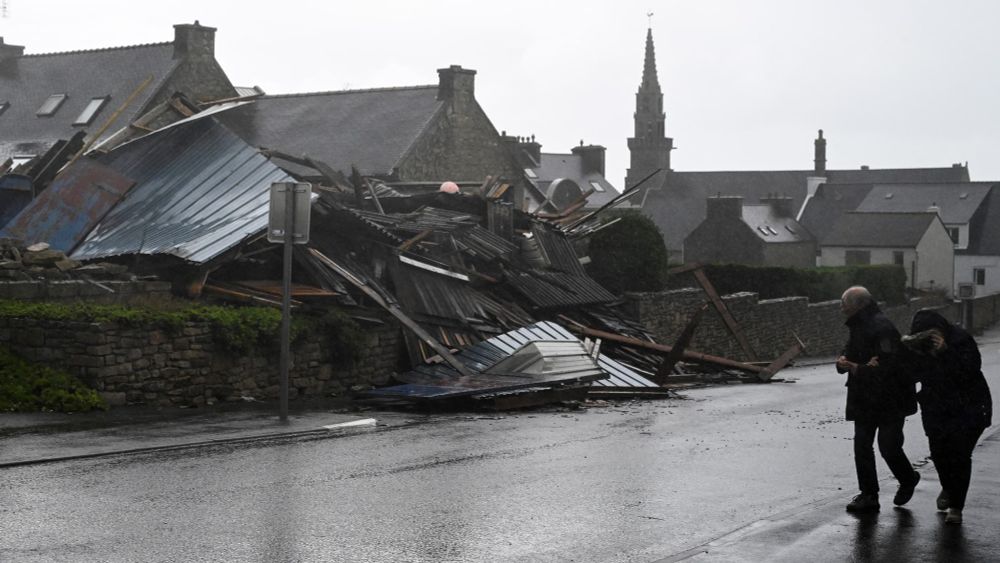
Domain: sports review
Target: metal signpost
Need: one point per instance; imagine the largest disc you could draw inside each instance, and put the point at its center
(288, 223)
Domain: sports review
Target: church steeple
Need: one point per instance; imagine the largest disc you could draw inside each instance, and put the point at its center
(650, 148)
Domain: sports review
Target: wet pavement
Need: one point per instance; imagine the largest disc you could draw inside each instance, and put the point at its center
(733, 473)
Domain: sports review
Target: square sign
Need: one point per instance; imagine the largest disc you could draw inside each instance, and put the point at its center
(299, 195)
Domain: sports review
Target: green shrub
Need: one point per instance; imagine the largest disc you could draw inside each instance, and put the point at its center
(29, 387)
(886, 282)
(629, 255)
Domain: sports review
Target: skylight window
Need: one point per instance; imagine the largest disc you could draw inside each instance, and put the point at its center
(531, 173)
(771, 230)
(51, 105)
(4, 106)
(89, 112)
(888, 195)
(763, 230)
(597, 186)
(964, 195)
(790, 229)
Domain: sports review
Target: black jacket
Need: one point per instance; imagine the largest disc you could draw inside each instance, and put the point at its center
(953, 393)
(876, 393)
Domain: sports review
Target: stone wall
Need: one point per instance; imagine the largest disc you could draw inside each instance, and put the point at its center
(153, 366)
(104, 292)
(769, 325)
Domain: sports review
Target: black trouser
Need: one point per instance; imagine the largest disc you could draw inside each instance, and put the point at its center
(890, 445)
(952, 455)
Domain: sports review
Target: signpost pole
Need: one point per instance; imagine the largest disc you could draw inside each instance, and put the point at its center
(286, 299)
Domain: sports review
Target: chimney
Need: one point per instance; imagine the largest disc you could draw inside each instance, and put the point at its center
(592, 157)
(193, 40)
(724, 207)
(532, 149)
(819, 162)
(9, 55)
(781, 204)
(456, 85)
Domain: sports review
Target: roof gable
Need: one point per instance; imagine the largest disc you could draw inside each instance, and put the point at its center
(372, 129)
(829, 202)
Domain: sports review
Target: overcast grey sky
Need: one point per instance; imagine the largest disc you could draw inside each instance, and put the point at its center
(746, 84)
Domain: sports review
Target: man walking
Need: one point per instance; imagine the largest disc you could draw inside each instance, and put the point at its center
(879, 398)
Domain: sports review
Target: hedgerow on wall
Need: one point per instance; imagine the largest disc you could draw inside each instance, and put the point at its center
(629, 255)
(885, 282)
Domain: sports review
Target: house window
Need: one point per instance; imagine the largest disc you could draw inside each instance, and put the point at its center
(979, 276)
(51, 105)
(89, 112)
(953, 233)
(857, 257)
(531, 173)
(597, 186)
(4, 106)
(897, 257)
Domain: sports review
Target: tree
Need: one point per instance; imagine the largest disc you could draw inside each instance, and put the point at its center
(629, 255)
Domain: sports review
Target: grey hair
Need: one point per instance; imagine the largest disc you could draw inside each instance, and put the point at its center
(857, 297)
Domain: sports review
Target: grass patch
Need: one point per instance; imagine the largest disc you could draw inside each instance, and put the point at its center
(27, 387)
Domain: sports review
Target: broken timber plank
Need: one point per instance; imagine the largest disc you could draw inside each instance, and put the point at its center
(395, 311)
(664, 349)
(683, 340)
(727, 318)
(782, 360)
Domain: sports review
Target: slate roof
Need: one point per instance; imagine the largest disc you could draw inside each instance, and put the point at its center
(27, 81)
(372, 129)
(678, 205)
(554, 166)
(984, 234)
(827, 205)
(957, 202)
(896, 230)
(771, 227)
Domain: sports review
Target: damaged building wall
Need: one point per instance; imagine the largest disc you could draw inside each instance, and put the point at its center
(767, 324)
(151, 366)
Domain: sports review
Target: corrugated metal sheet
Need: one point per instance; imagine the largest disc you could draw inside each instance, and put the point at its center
(548, 290)
(558, 249)
(68, 209)
(200, 191)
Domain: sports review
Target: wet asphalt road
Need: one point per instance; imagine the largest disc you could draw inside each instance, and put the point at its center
(634, 482)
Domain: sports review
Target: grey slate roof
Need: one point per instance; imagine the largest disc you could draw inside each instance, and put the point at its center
(27, 81)
(555, 166)
(372, 129)
(827, 205)
(896, 230)
(771, 227)
(678, 204)
(200, 190)
(957, 202)
(984, 239)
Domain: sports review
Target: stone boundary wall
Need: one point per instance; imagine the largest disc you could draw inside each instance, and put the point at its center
(104, 292)
(982, 312)
(152, 366)
(769, 325)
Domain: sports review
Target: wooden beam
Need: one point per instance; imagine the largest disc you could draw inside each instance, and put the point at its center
(782, 360)
(727, 318)
(420, 236)
(683, 340)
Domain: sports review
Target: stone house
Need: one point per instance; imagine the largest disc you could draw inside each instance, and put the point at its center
(764, 234)
(919, 242)
(560, 179)
(411, 134)
(48, 97)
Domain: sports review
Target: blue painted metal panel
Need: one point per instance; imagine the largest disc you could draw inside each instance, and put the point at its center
(68, 209)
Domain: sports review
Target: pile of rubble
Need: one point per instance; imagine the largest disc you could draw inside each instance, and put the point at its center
(41, 262)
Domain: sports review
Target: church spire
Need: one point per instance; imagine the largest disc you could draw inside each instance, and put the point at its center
(649, 80)
(649, 148)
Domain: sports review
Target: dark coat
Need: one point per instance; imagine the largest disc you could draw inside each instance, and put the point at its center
(877, 393)
(954, 396)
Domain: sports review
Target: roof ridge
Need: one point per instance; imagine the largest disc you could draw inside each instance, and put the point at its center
(360, 90)
(97, 50)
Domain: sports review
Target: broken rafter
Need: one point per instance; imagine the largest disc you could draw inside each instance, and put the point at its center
(623, 196)
(727, 317)
(682, 343)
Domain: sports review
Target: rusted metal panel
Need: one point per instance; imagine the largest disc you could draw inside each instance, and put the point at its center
(73, 204)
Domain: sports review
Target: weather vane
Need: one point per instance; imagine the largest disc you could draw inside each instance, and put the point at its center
(648, 15)
(3, 9)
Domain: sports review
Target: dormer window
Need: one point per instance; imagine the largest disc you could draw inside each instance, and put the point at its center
(530, 173)
(771, 230)
(597, 186)
(89, 112)
(51, 105)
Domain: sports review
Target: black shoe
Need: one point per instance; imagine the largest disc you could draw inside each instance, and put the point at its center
(864, 502)
(905, 492)
(943, 501)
